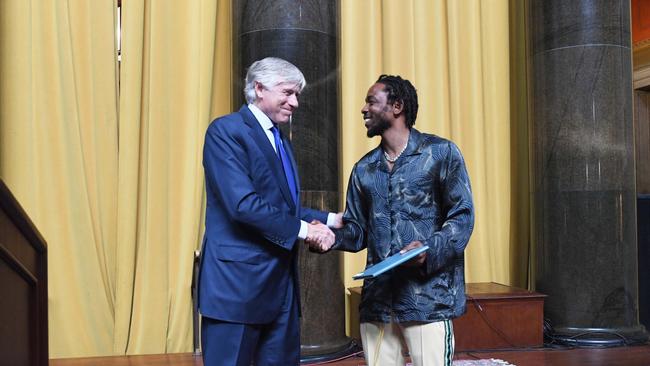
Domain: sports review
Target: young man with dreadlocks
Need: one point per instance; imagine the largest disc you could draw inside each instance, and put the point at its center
(411, 190)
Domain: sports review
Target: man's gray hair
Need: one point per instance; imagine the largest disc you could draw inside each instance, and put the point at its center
(270, 72)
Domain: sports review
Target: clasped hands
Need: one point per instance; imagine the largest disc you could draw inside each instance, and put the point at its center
(320, 238)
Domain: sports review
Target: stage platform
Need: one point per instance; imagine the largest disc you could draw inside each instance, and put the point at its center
(502, 322)
(619, 356)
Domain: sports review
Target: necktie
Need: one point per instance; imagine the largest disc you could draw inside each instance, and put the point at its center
(286, 164)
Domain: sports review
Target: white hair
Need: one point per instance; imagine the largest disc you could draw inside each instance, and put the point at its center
(270, 72)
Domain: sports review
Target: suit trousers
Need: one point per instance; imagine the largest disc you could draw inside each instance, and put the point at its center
(273, 344)
(429, 344)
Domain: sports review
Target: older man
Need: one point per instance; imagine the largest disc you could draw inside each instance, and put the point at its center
(248, 288)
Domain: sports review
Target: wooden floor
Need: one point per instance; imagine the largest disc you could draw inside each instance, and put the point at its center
(619, 356)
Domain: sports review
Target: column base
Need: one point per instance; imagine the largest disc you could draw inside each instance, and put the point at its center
(598, 337)
(328, 352)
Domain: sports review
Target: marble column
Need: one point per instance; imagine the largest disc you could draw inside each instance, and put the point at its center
(583, 171)
(305, 32)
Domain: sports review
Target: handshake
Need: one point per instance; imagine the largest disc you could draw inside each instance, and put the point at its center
(320, 238)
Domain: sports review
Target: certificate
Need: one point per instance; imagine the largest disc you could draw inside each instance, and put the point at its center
(389, 263)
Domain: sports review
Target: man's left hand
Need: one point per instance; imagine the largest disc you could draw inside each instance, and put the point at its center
(417, 261)
(319, 237)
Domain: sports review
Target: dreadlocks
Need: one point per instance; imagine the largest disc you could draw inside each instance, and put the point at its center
(402, 90)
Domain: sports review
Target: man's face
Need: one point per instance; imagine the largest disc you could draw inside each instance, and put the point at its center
(277, 102)
(377, 112)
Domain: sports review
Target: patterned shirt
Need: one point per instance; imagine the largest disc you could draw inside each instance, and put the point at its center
(426, 197)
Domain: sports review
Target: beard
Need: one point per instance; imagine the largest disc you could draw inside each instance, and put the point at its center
(378, 128)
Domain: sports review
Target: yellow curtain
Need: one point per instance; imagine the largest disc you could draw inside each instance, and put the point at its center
(522, 268)
(115, 188)
(175, 77)
(58, 148)
(456, 53)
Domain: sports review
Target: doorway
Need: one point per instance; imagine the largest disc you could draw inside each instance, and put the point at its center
(642, 157)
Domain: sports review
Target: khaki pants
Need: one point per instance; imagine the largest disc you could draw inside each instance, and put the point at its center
(429, 344)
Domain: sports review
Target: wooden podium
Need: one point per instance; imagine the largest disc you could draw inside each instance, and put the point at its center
(500, 316)
(23, 287)
(497, 317)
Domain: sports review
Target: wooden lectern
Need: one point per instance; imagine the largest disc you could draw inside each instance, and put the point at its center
(23, 287)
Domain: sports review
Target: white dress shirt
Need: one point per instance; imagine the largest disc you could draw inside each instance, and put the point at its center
(267, 124)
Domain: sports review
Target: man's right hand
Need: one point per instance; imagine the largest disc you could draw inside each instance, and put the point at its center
(417, 261)
(319, 237)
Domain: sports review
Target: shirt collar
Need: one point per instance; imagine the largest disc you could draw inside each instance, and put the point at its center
(412, 148)
(414, 143)
(262, 118)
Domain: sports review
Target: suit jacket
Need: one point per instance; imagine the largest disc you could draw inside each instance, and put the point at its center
(249, 253)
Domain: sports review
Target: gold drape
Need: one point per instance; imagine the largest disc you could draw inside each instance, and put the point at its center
(175, 77)
(58, 141)
(106, 159)
(119, 203)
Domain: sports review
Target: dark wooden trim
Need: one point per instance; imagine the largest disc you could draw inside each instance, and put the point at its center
(10, 205)
(642, 140)
(14, 263)
(493, 291)
(27, 313)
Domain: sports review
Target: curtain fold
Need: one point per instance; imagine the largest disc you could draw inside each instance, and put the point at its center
(175, 78)
(58, 143)
(116, 190)
(521, 253)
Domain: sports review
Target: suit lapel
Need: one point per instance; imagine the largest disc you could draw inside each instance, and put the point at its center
(259, 136)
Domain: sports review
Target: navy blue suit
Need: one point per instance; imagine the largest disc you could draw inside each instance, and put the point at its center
(249, 273)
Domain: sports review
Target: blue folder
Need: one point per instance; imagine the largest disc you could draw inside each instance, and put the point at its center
(389, 263)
